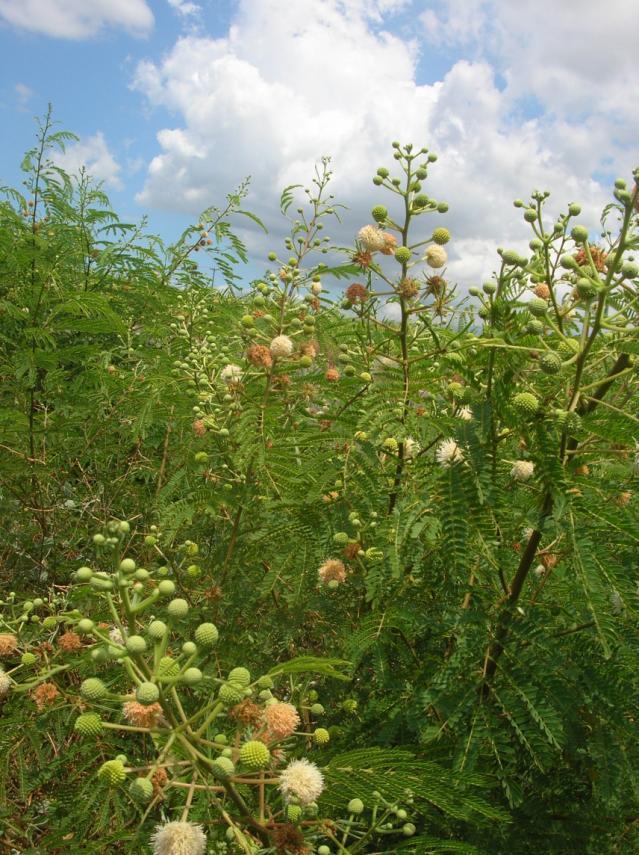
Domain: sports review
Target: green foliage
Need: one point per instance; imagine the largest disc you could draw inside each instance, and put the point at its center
(363, 505)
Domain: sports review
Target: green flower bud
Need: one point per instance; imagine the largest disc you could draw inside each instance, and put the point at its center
(537, 306)
(178, 608)
(402, 254)
(141, 790)
(526, 403)
(166, 587)
(293, 813)
(574, 209)
(265, 682)
(255, 755)
(550, 363)
(88, 724)
(85, 626)
(579, 234)
(112, 773)
(630, 270)
(135, 644)
(321, 736)
(317, 709)
(340, 538)
(192, 676)
(420, 201)
(127, 565)
(441, 236)
(147, 694)
(157, 630)
(530, 215)
(83, 574)
(28, 659)
(240, 676)
(247, 320)
(230, 694)
(380, 212)
(223, 768)
(355, 806)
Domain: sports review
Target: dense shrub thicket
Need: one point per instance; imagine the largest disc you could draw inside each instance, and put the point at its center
(281, 574)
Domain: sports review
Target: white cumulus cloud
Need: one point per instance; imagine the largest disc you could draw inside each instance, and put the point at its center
(93, 154)
(77, 19)
(290, 82)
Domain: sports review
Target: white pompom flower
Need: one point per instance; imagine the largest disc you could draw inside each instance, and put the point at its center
(448, 453)
(5, 684)
(281, 347)
(179, 838)
(522, 470)
(436, 256)
(372, 238)
(230, 373)
(301, 781)
(465, 414)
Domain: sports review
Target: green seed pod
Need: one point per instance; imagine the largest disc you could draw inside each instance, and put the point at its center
(88, 724)
(147, 694)
(254, 755)
(206, 634)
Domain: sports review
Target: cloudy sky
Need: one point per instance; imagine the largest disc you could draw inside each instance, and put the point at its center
(175, 101)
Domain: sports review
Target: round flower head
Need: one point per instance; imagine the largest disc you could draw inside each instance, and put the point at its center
(436, 256)
(448, 453)
(8, 644)
(141, 715)
(5, 684)
(259, 355)
(371, 238)
(116, 635)
(332, 375)
(542, 290)
(465, 414)
(45, 694)
(356, 293)
(332, 570)
(179, 838)
(390, 243)
(281, 720)
(230, 373)
(301, 781)
(411, 447)
(70, 641)
(199, 428)
(522, 470)
(281, 347)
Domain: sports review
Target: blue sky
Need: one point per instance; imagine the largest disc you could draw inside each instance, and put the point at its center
(176, 100)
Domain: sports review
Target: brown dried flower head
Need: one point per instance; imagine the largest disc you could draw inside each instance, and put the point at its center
(332, 570)
(356, 293)
(542, 290)
(332, 375)
(350, 550)
(390, 244)
(258, 354)
(140, 715)
(435, 284)
(408, 288)
(363, 259)
(246, 712)
(199, 428)
(70, 641)
(598, 257)
(8, 644)
(44, 695)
